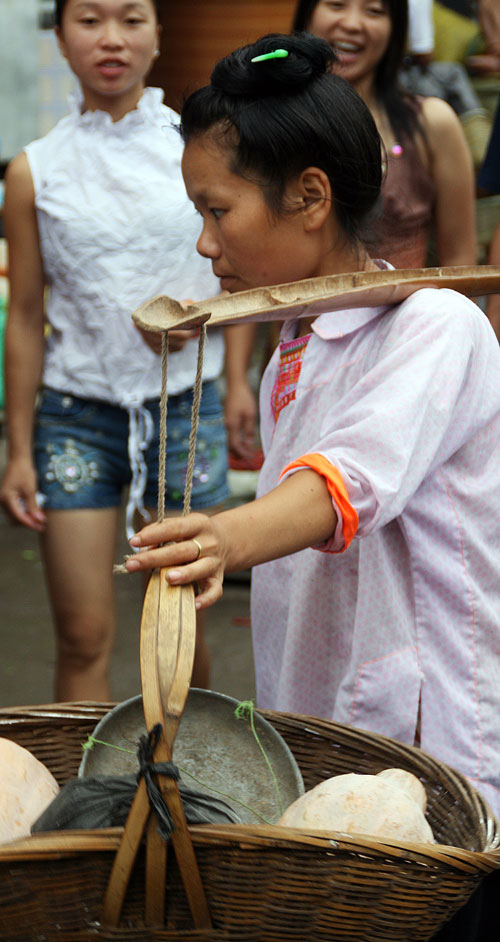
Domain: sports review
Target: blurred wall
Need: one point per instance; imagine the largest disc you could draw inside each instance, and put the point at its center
(196, 33)
(55, 82)
(35, 80)
(18, 74)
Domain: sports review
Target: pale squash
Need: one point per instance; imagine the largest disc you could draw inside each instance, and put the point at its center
(408, 782)
(380, 805)
(26, 789)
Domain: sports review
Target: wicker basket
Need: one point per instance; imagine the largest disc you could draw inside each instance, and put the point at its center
(263, 884)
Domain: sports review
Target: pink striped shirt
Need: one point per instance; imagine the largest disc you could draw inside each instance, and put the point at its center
(404, 403)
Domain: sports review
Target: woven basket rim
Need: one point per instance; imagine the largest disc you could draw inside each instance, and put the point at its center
(50, 845)
(55, 844)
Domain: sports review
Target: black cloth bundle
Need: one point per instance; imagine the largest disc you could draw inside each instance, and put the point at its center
(104, 801)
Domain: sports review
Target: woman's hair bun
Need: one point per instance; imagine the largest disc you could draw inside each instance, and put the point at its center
(238, 76)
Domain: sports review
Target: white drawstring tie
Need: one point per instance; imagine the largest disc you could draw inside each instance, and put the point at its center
(140, 435)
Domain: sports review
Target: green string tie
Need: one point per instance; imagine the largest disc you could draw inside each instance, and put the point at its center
(245, 710)
(92, 741)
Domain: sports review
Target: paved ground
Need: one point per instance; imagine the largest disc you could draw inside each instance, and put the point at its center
(26, 640)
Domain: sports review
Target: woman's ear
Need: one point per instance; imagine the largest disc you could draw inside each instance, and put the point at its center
(315, 194)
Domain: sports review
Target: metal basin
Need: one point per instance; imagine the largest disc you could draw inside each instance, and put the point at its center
(212, 745)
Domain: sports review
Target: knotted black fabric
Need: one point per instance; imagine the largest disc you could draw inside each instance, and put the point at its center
(104, 800)
(148, 769)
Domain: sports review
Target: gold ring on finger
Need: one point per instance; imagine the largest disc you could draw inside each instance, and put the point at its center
(199, 549)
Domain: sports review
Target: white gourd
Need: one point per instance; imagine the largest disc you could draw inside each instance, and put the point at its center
(389, 805)
(26, 789)
(408, 782)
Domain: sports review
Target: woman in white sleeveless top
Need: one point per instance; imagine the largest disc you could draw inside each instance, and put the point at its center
(98, 222)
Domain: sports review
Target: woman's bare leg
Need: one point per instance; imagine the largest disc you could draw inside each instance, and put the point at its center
(79, 549)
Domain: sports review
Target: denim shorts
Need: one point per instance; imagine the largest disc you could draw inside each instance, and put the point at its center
(82, 458)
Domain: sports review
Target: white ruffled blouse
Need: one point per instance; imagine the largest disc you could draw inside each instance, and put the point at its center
(116, 228)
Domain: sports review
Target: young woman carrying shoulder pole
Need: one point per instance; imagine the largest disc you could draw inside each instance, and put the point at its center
(373, 538)
(429, 175)
(96, 212)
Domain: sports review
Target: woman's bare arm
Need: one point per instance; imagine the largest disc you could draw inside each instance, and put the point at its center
(24, 343)
(298, 513)
(240, 406)
(453, 174)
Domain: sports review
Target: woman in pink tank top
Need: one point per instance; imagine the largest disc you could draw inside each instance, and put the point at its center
(429, 179)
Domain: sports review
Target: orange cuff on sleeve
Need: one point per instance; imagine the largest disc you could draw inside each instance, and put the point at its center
(336, 489)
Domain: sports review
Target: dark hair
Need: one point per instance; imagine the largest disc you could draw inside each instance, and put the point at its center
(285, 114)
(400, 107)
(60, 4)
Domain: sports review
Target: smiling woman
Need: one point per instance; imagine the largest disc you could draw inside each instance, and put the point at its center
(429, 183)
(358, 33)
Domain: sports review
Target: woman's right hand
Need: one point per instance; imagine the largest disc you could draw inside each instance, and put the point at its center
(18, 495)
(172, 544)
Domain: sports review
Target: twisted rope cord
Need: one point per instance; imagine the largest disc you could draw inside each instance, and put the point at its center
(162, 464)
(121, 568)
(195, 418)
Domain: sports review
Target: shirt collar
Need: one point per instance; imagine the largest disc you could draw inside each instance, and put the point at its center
(335, 324)
(148, 109)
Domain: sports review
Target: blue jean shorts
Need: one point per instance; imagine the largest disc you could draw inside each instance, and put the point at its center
(82, 457)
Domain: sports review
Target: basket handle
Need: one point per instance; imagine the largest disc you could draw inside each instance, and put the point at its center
(168, 631)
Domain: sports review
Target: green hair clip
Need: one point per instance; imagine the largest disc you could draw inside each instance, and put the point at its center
(277, 54)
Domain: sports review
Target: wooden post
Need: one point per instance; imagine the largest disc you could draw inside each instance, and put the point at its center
(196, 33)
